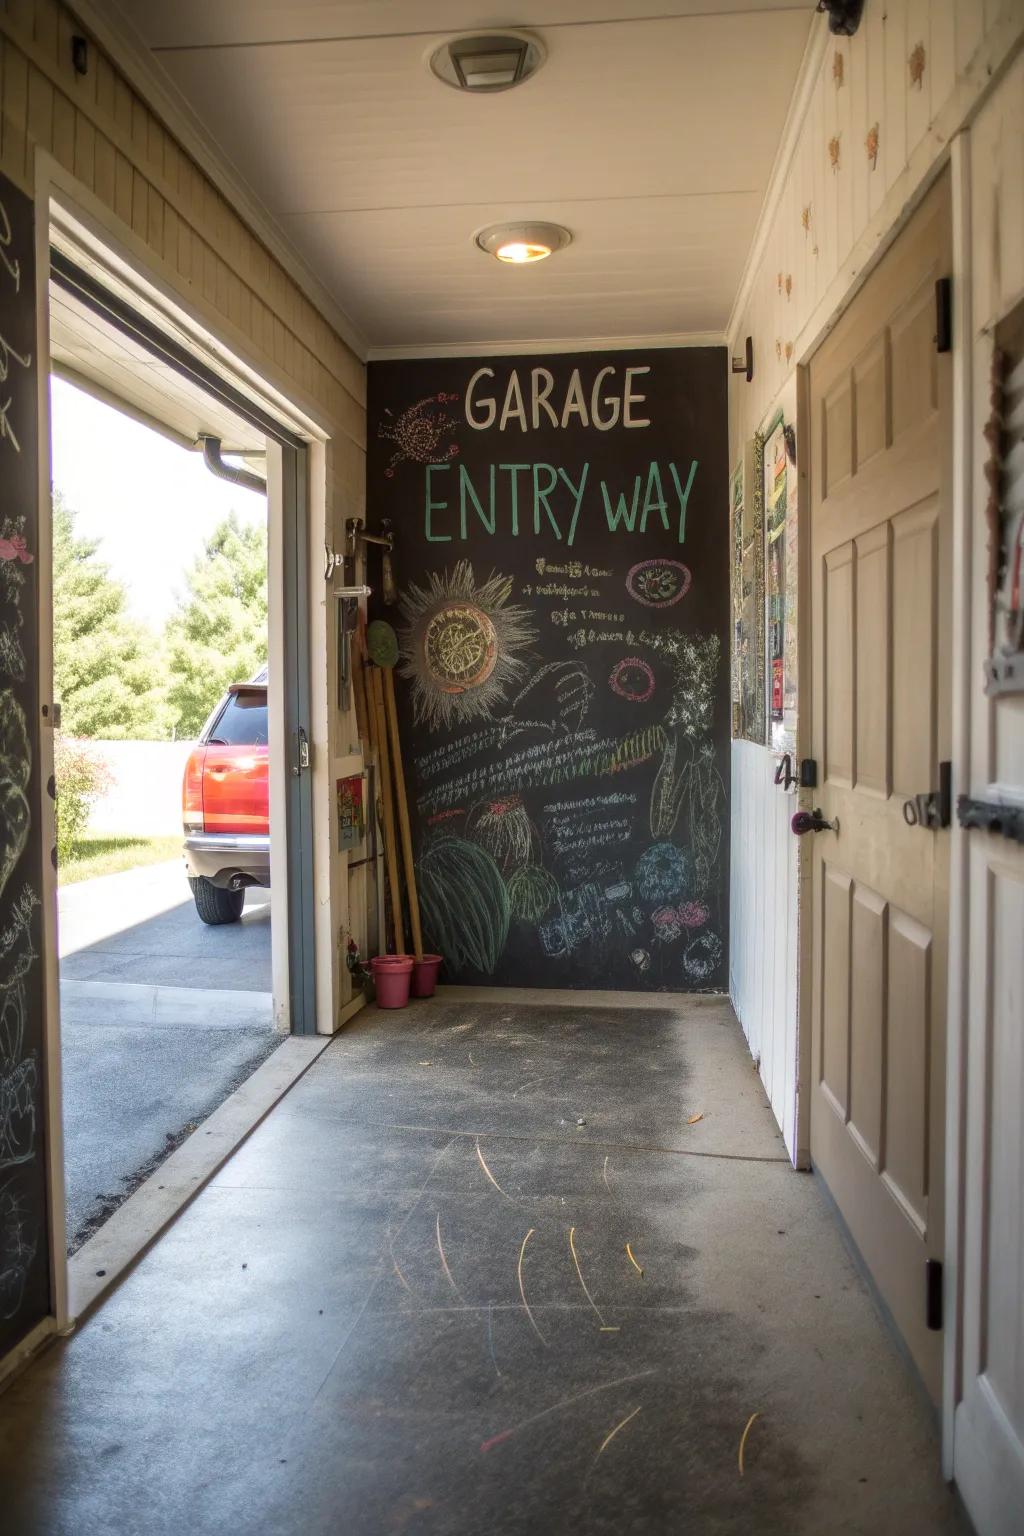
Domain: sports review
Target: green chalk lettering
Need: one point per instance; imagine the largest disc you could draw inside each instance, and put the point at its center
(466, 486)
(540, 497)
(684, 496)
(652, 502)
(513, 472)
(577, 496)
(624, 512)
(434, 506)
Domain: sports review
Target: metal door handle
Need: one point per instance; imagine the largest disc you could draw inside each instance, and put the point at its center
(302, 753)
(812, 821)
(933, 810)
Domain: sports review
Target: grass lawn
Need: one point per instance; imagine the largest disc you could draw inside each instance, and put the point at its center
(96, 855)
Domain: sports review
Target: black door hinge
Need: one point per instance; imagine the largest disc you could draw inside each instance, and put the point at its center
(944, 315)
(933, 1295)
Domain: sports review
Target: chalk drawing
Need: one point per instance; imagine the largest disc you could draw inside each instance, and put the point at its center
(658, 583)
(464, 904)
(503, 828)
(19, 1080)
(702, 955)
(641, 959)
(16, 949)
(707, 800)
(15, 770)
(19, 1239)
(632, 679)
(663, 871)
(462, 645)
(532, 892)
(556, 698)
(585, 913)
(417, 433)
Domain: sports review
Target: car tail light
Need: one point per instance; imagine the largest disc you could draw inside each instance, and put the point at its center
(192, 792)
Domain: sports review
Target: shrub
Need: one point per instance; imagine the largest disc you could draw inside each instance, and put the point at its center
(81, 779)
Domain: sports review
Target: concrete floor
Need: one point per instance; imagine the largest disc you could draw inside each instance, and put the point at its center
(407, 1305)
(161, 1018)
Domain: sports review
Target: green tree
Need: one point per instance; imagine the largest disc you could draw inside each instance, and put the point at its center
(219, 634)
(106, 667)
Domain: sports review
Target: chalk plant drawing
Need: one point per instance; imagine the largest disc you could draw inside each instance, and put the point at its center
(19, 1239)
(19, 1081)
(15, 771)
(418, 431)
(532, 892)
(462, 645)
(503, 828)
(556, 699)
(464, 902)
(16, 948)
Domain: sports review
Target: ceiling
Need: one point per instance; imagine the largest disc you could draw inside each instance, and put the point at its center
(650, 137)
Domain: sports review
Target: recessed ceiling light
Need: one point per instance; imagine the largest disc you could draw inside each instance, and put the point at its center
(489, 62)
(520, 244)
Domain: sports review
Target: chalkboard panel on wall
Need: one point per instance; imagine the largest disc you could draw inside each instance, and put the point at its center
(562, 557)
(24, 1253)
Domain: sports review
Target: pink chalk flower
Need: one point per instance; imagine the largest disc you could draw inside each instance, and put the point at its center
(15, 548)
(693, 914)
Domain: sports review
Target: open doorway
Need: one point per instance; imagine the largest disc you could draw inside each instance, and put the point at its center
(161, 625)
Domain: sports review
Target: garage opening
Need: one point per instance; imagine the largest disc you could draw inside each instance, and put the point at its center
(180, 854)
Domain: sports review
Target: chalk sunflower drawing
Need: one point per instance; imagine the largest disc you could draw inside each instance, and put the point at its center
(462, 645)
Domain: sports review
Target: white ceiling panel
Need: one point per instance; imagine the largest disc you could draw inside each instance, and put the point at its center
(198, 23)
(650, 137)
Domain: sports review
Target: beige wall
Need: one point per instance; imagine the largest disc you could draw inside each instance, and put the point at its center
(826, 223)
(181, 228)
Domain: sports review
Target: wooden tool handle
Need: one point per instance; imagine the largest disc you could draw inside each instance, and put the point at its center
(383, 765)
(398, 774)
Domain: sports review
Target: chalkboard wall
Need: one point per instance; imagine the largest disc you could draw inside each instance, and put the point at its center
(24, 1253)
(561, 553)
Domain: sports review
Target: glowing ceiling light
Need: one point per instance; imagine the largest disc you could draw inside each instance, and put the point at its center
(521, 244)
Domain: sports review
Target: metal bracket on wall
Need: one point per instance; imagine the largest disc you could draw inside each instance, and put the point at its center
(991, 816)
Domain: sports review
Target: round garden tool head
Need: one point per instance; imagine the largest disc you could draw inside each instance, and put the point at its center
(381, 643)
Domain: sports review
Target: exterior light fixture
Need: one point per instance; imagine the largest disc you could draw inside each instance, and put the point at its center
(489, 62)
(521, 244)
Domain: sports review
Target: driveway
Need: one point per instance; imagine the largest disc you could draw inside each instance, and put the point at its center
(161, 1018)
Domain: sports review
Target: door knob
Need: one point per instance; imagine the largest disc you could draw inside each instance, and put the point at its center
(812, 821)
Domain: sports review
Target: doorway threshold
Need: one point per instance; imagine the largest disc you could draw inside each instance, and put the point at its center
(100, 1262)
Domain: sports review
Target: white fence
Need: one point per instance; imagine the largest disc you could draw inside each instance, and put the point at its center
(144, 799)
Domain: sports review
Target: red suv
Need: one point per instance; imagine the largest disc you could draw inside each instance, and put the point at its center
(226, 806)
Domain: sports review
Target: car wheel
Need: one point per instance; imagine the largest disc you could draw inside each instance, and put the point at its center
(215, 904)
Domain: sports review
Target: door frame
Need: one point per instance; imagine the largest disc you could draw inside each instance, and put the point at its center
(297, 515)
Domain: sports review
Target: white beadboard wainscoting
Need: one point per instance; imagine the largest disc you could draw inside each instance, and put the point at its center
(764, 924)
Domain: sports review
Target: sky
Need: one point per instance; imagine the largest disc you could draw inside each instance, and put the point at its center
(150, 503)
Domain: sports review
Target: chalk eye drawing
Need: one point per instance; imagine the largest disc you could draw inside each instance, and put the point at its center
(417, 432)
(462, 645)
(18, 1241)
(532, 892)
(558, 697)
(15, 770)
(658, 583)
(663, 871)
(632, 679)
(503, 828)
(19, 1081)
(464, 903)
(702, 955)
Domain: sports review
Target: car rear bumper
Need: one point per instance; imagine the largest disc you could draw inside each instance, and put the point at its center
(228, 859)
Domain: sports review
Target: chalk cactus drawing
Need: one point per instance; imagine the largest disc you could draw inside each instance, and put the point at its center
(464, 903)
(418, 431)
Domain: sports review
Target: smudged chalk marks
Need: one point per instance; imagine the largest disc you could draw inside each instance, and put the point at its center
(19, 1238)
(462, 645)
(566, 1402)
(658, 583)
(464, 904)
(418, 432)
(19, 1082)
(15, 771)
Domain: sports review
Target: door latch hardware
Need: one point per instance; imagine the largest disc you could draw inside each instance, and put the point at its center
(933, 1295)
(991, 816)
(784, 774)
(51, 715)
(808, 773)
(812, 821)
(935, 809)
(302, 752)
(943, 315)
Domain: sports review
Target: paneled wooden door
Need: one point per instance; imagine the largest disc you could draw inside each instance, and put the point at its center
(880, 398)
